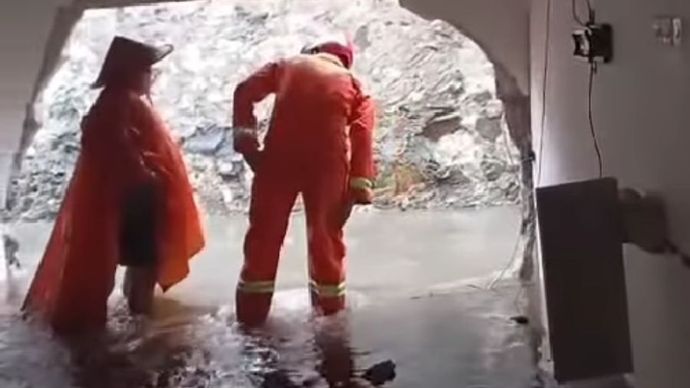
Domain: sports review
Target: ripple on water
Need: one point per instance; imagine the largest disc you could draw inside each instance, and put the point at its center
(185, 346)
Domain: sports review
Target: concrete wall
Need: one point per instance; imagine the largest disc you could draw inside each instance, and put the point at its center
(501, 27)
(642, 116)
(25, 27)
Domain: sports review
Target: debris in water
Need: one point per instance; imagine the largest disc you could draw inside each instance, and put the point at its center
(520, 320)
(11, 246)
(380, 373)
(278, 379)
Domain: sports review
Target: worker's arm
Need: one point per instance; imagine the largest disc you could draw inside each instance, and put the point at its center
(248, 93)
(362, 168)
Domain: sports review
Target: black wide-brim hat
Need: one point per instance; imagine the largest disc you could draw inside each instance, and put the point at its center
(129, 55)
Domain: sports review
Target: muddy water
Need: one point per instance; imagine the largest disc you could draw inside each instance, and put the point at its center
(407, 304)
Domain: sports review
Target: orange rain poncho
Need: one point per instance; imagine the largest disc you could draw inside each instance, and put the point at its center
(121, 134)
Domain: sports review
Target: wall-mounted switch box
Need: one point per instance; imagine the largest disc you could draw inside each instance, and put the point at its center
(668, 30)
(594, 43)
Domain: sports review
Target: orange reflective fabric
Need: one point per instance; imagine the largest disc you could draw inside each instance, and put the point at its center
(320, 111)
(121, 135)
(319, 137)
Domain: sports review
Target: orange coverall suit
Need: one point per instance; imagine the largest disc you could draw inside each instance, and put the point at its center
(319, 143)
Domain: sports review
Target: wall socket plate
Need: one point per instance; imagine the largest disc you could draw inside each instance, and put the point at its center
(594, 42)
(668, 30)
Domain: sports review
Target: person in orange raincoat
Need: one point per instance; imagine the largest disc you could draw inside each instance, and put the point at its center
(129, 202)
(319, 145)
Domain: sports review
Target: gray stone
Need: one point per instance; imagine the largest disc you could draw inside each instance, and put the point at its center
(489, 128)
(361, 39)
(436, 128)
(229, 169)
(434, 89)
(205, 141)
(452, 176)
(493, 169)
(481, 97)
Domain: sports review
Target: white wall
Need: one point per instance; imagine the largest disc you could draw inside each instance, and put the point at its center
(24, 29)
(642, 115)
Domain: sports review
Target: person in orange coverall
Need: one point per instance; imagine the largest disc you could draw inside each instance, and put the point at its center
(319, 145)
(129, 202)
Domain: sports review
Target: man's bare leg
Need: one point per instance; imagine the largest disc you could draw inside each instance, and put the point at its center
(139, 288)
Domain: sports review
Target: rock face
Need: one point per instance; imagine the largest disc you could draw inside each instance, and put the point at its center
(441, 141)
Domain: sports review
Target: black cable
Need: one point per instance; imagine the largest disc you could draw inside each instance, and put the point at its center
(544, 86)
(592, 129)
(590, 11)
(576, 17)
(592, 72)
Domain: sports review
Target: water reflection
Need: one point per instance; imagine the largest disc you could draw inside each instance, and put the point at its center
(296, 349)
(337, 364)
(332, 357)
(464, 339)
(192, 346)
(136, 352)
(436, 341)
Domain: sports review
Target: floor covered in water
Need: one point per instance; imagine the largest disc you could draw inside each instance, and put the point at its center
(417, 296)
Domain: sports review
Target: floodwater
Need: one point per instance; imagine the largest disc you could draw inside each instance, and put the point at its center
(416, 296)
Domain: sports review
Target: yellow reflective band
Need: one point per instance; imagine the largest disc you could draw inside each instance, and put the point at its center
(328, 290)
(361, 183)
(256, 287)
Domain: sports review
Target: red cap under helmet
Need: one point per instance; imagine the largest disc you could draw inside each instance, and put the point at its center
(345, 52)
(338, 45)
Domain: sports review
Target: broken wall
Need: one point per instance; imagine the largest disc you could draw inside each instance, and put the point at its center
(25, 30)
(641, 118)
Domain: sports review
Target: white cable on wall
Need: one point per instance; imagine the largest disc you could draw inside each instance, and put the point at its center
(542, 130)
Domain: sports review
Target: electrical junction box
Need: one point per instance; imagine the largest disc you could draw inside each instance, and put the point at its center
(668, 30)
(594, 42)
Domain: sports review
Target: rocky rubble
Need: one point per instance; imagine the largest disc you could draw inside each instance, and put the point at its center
(441, 142)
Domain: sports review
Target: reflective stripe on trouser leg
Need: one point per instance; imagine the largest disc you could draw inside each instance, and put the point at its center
(327, 290)
(261, 287)
(328, 298)
(253, 301)
(327, 270)
(273, 195)
(326, 204)
(327, 267)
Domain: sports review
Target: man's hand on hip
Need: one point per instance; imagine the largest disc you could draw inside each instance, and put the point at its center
(245, 141)
(253, 159)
